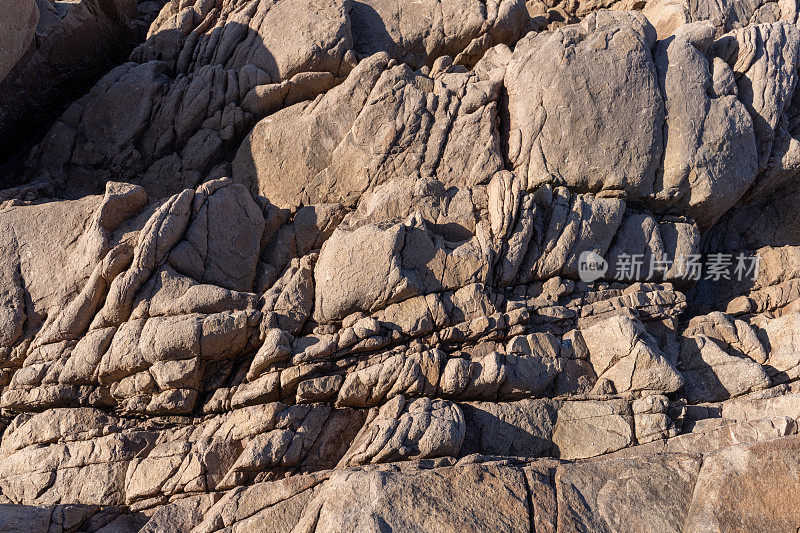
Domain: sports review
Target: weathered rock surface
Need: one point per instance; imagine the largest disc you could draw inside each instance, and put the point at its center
(53, 52)
(554, 112)
(410, 266)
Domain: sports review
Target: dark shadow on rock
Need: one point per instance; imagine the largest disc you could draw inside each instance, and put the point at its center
(73, 517)
(772, 221)
(64, 63)
(705, 385)
(487, 434)
(709, 295)
(451, 231)
(689, 415)
(148, 105)
(370, 35)
(167, 45)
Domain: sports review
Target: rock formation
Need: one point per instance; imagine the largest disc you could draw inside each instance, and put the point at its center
(321, 265)
(52, 53)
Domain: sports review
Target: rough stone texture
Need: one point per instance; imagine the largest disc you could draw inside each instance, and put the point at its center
(417, 33)
(733, 475)
(706, 169)
(668, 15)
(52, 52)
(324, 266)
(625, 357)
(384, 123)
(554, 112)
(19, 28)
(657, 492)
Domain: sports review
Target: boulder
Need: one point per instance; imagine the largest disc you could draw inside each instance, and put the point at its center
(588, 136)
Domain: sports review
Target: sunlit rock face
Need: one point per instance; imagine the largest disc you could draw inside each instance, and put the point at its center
(439, 265)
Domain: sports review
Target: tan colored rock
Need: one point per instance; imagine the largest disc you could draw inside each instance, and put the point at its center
(713, 434)
(385, 122)
(446, 499)
(756, 63)
(554, 111)
(736, 335)
(590, 428)
(417, 33)
(410, 375)
(759, 477)
(667, 15)
(190, 80)
(626, 356)
(651, 420)
(780, 337)
(263, 505)
(399, 430)
(396, 262)
(627, 494)
(395, 332)
(712, 374)
(523, 428)
(746, 408)
(226, 222)
(699, 177)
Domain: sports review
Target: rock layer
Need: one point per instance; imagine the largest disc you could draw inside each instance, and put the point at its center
(372, 269)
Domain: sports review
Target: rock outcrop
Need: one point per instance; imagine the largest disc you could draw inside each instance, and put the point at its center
(52, 53)
(402, 266)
